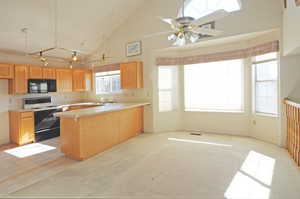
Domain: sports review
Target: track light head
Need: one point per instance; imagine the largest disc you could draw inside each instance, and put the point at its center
(74, 56)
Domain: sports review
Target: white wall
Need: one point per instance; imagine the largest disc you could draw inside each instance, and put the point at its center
(256, 15)
(291, 28)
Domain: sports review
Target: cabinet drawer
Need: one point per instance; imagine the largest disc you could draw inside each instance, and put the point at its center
(26, 114)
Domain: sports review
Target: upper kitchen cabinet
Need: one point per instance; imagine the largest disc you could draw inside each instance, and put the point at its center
(64, 79)
(78, 80)
(49, 73)
(131, 75)
(35, 72)
(82, 80)
(291, 29)
(18, 85)
(6, 71)
(88, 80)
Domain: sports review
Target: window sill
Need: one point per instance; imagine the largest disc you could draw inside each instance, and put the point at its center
(212, 111)
(266, 115)
(110, 93)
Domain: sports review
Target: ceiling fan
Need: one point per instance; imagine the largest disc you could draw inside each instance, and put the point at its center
(187, 29)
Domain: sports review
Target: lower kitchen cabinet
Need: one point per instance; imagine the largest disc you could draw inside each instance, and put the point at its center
(84, 137)
(21, 127)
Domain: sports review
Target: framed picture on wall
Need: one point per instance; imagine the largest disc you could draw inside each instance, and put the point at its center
(133, 48)
(297, 2)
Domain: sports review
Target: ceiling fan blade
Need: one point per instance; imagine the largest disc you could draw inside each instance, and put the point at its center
(171, 22)
(206, 31)
(158, 34)
(210, 17)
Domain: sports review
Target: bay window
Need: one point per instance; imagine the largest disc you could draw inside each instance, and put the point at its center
(266, 84)
(214, 86)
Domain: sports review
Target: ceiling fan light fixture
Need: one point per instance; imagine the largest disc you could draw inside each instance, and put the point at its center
(172, 37)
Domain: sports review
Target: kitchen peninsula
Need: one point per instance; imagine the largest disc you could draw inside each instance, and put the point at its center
(87, 132)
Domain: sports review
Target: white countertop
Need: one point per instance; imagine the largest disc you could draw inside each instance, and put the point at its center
(100, 109)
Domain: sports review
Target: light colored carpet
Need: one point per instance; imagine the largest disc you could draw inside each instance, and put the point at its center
(176, 165)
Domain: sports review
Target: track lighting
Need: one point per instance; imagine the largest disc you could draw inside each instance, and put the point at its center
(43, 59)
(74, 56)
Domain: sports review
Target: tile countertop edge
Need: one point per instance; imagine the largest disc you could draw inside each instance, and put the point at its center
(100, 110)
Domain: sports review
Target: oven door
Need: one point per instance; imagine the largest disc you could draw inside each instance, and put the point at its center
(45, 120)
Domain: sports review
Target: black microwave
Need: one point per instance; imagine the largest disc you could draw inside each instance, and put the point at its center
(41, 85)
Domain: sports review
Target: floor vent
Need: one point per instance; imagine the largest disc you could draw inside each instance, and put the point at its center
(197, 134)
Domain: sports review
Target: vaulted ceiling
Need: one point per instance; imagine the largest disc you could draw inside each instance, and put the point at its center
(81, 24)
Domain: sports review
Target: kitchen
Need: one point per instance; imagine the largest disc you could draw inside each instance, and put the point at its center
(36, 121)
(104, 99)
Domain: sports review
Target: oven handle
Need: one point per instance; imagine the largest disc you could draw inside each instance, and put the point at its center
(41, 131)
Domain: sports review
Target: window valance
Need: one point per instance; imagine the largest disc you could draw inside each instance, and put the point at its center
(220, 56)
(107, 68)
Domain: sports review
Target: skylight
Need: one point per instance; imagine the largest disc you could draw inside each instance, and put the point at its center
(200, 8)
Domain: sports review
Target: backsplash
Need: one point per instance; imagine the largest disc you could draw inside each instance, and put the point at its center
(16, 101)
(132, 95)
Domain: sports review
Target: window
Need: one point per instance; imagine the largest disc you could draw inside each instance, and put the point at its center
(167, 88)
(107, 82)
(215, 86)
(200, 8)
(266, 84)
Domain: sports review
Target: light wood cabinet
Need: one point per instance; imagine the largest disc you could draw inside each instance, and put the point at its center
(84, 137)
(18, 85)
(6, 71)
(131, 75)
(78, 80)
(64, 80)
(131, 123)
(21, 127)
(49, 73)
(88, 80)
(35, 72)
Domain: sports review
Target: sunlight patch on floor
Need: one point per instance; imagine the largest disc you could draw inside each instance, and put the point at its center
(242, 186)
(198, 142)
(260, 167)
(29, 150)
(254, 178)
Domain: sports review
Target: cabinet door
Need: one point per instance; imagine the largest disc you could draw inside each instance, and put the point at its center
(27, 130)
(35, 72)
(128, 75)
(19, 83)
(64, 78)
(49, 73)
(6, 71)
(131, 75)
(78, 80)
(88, 80)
